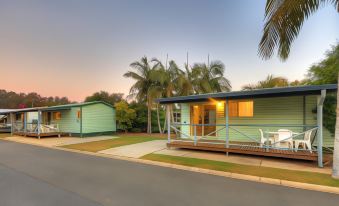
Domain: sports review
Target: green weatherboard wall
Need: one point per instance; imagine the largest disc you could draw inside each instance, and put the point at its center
(97, 118)
(278, 110)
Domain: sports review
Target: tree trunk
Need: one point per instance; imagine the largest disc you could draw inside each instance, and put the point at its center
(149, 117)
(165, 122)
(335, 171)
(159, 125)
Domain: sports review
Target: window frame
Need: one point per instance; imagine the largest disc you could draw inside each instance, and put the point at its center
(56, 116)
(79, 114)
(238, 106)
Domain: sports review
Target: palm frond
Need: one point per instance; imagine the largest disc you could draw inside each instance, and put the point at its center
(283, 21)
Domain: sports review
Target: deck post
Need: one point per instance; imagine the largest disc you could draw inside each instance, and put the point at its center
(25, 123)
(321, 99)
(195, 134)
(39, 123)
(227, 125)
(168, 116)
(12, 123)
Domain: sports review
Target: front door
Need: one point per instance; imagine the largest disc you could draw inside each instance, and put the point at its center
(209, 119)
(203, 115)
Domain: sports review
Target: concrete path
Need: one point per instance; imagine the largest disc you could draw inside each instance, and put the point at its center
(43, 176)
(136, 150)
(248, 160)
(56, 141)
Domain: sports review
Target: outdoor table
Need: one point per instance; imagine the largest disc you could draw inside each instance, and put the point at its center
(276, 135)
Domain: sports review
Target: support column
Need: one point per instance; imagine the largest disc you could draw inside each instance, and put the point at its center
(39, 123)
(227, 125)
(168, 116)
(25, 123)
(320, 103)
(12, 122)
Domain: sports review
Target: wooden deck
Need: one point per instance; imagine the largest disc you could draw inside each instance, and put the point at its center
(33, 134)
(246, 149)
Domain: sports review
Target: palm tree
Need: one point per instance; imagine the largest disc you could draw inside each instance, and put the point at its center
(169, 82)
(269, 82)
(209, 78)
(142, 88)
(284, 19)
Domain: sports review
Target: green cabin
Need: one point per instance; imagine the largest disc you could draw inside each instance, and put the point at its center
(79, 119)
(280, 122)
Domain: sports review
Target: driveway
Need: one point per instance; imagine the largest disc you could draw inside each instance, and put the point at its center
(136, 150)
(33, 175)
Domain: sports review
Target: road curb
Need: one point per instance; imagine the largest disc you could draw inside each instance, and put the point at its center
(265, 180)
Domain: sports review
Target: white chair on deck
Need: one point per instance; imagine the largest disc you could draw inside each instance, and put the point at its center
(283, 139)
(306, 142)
(264, 139)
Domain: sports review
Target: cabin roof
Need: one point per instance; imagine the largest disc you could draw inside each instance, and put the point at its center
(256, 93)
(52, 108)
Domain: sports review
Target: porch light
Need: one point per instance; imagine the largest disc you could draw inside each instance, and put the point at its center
(219, 104)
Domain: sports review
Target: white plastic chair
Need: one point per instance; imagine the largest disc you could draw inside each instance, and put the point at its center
(306, 142)
(283, 135)
(263, 139)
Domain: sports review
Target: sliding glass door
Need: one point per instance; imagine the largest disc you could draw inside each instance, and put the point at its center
(206, 115)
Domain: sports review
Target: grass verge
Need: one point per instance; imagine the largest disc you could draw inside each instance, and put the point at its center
(110, 143)
(284, 174)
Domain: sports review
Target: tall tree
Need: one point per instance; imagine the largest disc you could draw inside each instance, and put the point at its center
(169, 82)
(106, 97)
(124, 115)
(141, 89)
(284, 19)
(12, 100)
(209, 78)
(269, 82)
(325, 71)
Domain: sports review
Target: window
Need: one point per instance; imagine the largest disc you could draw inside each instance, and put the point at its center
(78, 114)
(177, 117)
(56, 115)
(233, 109)
(246, 109)
(19, 117)
(243, 108)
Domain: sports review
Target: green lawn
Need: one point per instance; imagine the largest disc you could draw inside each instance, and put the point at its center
(106, 144)
(291, 175)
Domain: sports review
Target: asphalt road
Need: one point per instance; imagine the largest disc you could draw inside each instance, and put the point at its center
(31, 175)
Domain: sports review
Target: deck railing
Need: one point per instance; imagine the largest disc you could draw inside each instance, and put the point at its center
(246, 139)
(33, 128)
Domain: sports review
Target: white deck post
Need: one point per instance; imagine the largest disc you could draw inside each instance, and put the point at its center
(195, 134)
(321, 99)
(227, 125)
(12, 123)
(25, 123)
(39, 123)
(168, 116)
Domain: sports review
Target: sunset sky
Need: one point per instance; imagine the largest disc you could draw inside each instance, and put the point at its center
(76, 47)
